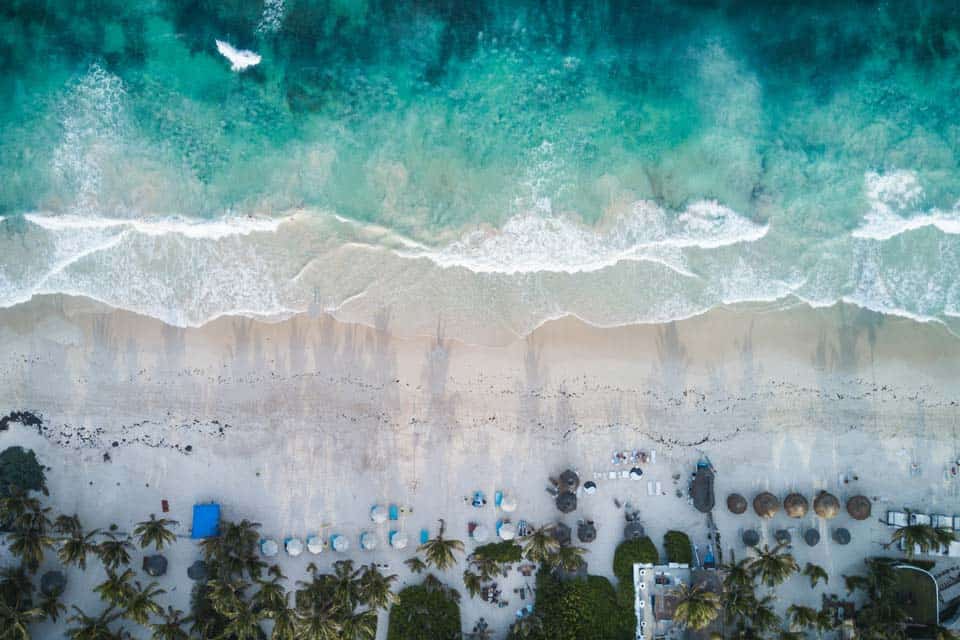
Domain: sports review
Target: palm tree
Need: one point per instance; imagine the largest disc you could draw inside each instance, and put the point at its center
(568, 559)
(415, 564)
(114, 551)
(802, 617)
(142, 603)
(696, 607)
(283, 623)
(540, 545)
(487, 567)
(271, 597)
(375, 588)
(762, 617)
(772, 566)
(30, 544)
(116, 589)
(529, 626)
(359, 626)
(922, 537)
(77, 547)
(51, 608)
(235, 549)
(16, 505)
(738, 573)
(67, 525)
(172, 626)
(15, 621)
(243, 624)
(472, 583)
(90, 628)
(439, 551)
(346, 585)
(155, 532)
(816, 573)
(738, 603)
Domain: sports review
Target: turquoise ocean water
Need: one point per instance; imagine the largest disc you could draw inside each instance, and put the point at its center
(486, 165)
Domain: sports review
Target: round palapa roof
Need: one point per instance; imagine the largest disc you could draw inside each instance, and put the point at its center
(766, 504)
(859, 507)
(826, 505)
(736, 503)
(795, 505)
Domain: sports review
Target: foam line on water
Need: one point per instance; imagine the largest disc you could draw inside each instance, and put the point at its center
(893, 200)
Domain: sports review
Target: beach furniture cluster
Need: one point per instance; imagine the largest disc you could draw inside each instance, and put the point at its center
(826, 506)
(900, 519)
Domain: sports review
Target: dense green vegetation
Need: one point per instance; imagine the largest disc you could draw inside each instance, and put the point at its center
(677, 546)
(630, 552)
(580, 609)
(501, 552)
(428, 611)
(19, 468)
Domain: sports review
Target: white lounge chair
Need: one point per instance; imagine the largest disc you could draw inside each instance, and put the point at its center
(650, 488)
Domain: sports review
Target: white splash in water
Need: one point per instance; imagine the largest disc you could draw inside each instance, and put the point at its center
(272, 17)
(894, 198)
(240, 59)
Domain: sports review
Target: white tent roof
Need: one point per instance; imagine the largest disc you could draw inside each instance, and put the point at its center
(269, 547)
(294, 546)
(398, 540)
(378, 513)
(314, 544)
(507, 531)
(480, 533)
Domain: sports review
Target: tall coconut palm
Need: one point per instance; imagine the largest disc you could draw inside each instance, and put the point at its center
(439, 551)
(270, 597)
(67, 525)
(487, 567)
(30, 545)
(114, 551)
(541, 545)
(376, 588)
(172, 626)
(51, 607)
(284, 627)
(15, 621)
(472, 583)
(816, 573)
(77, 547)
(763, 617)
(359, 626)
(415, 564)
(772, 566)
(568, 558)
(738, 573)
(529, 626)
(696, 607)
(228, 596)
(235, 549)
(346, 585)
(116, 589)
(90, 628)
(156, 532)
(244, 624)
(922, 537)
(802, 617)
(738, 603)
(16, 506)
(142, 602)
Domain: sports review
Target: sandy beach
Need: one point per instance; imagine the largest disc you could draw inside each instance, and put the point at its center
(302, 425)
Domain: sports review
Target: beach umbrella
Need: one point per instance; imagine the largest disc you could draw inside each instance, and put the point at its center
(841, 536)
(367, 541)
(736, 503)
(480, 533)
(590, 487)
(155, 565)
(198, 571)
(378, 513)
(766, 504)
(507, 531)
(859, 507)
(633, 531)
(339, 543)
(314, 544)
(782, 536)
(269, 547)
(569, 480)
(294, 546)
(636, 473)
(826, 505)
(586, 531)
(508, 503)
(795, 505)
(561, 533)
(398, 540)
(53, 583)
(566, 502)
(750, 537)
(811, 537)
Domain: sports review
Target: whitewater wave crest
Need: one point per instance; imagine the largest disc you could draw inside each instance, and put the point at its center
(894, 199)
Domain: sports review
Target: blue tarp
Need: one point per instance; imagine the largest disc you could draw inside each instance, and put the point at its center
(206, 520)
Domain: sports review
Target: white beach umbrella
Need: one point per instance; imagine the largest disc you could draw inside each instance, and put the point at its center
(294, 546)
(269, 547)
(339, 543)
(590, 488)
(314, 544)
(398, 540)
(508, 503)
(378, 513)
(480, 533)
(367, 541)
(507, 531)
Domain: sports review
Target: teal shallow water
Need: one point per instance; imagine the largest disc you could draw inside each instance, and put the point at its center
(488, 163)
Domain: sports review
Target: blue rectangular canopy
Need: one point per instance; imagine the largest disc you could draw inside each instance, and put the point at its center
(206, 520)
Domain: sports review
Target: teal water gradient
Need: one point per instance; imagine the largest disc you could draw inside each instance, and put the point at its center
(498, 162)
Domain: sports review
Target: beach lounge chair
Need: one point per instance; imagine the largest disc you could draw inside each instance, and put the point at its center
(624, 474)
(424, 536)
(498, 499)
(659, 489)
(612, 475)
(650, 488)
(394, 512)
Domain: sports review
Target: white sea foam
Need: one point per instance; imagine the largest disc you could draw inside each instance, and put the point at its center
(272, 17)
(893, 199)
(198, 229)
(240, 59)
(538, 242)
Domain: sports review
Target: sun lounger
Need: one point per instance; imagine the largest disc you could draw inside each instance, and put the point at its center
(650, 488)
(498, 498)
(624, 474)
(659, 489)
(424, 536)
(612, 475)
(394, 512)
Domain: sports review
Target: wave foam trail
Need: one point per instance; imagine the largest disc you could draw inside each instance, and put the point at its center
(196, 229)
(240, 59)
(893, 199)
(531, 243)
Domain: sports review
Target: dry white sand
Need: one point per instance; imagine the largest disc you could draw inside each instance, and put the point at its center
(302, 425)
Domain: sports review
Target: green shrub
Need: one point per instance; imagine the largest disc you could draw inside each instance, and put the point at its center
(581, 609)
(630, 552)
(424, 613)
(501, 552)
(926, 565)
(19, 467)
(677, 546)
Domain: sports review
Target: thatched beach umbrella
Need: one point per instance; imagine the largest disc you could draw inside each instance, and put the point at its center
(566, 502)
(569, 480)
(782, 536)
(198, 571)
(795, 505)
(736, 503)
(561, 533)
(766, 504)
(811, 537)
(859, 507)
(750, 537)
(155, 565)
(587, 531)
(53, 583)
(633, 531)
(826, 505)
(841, 536)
